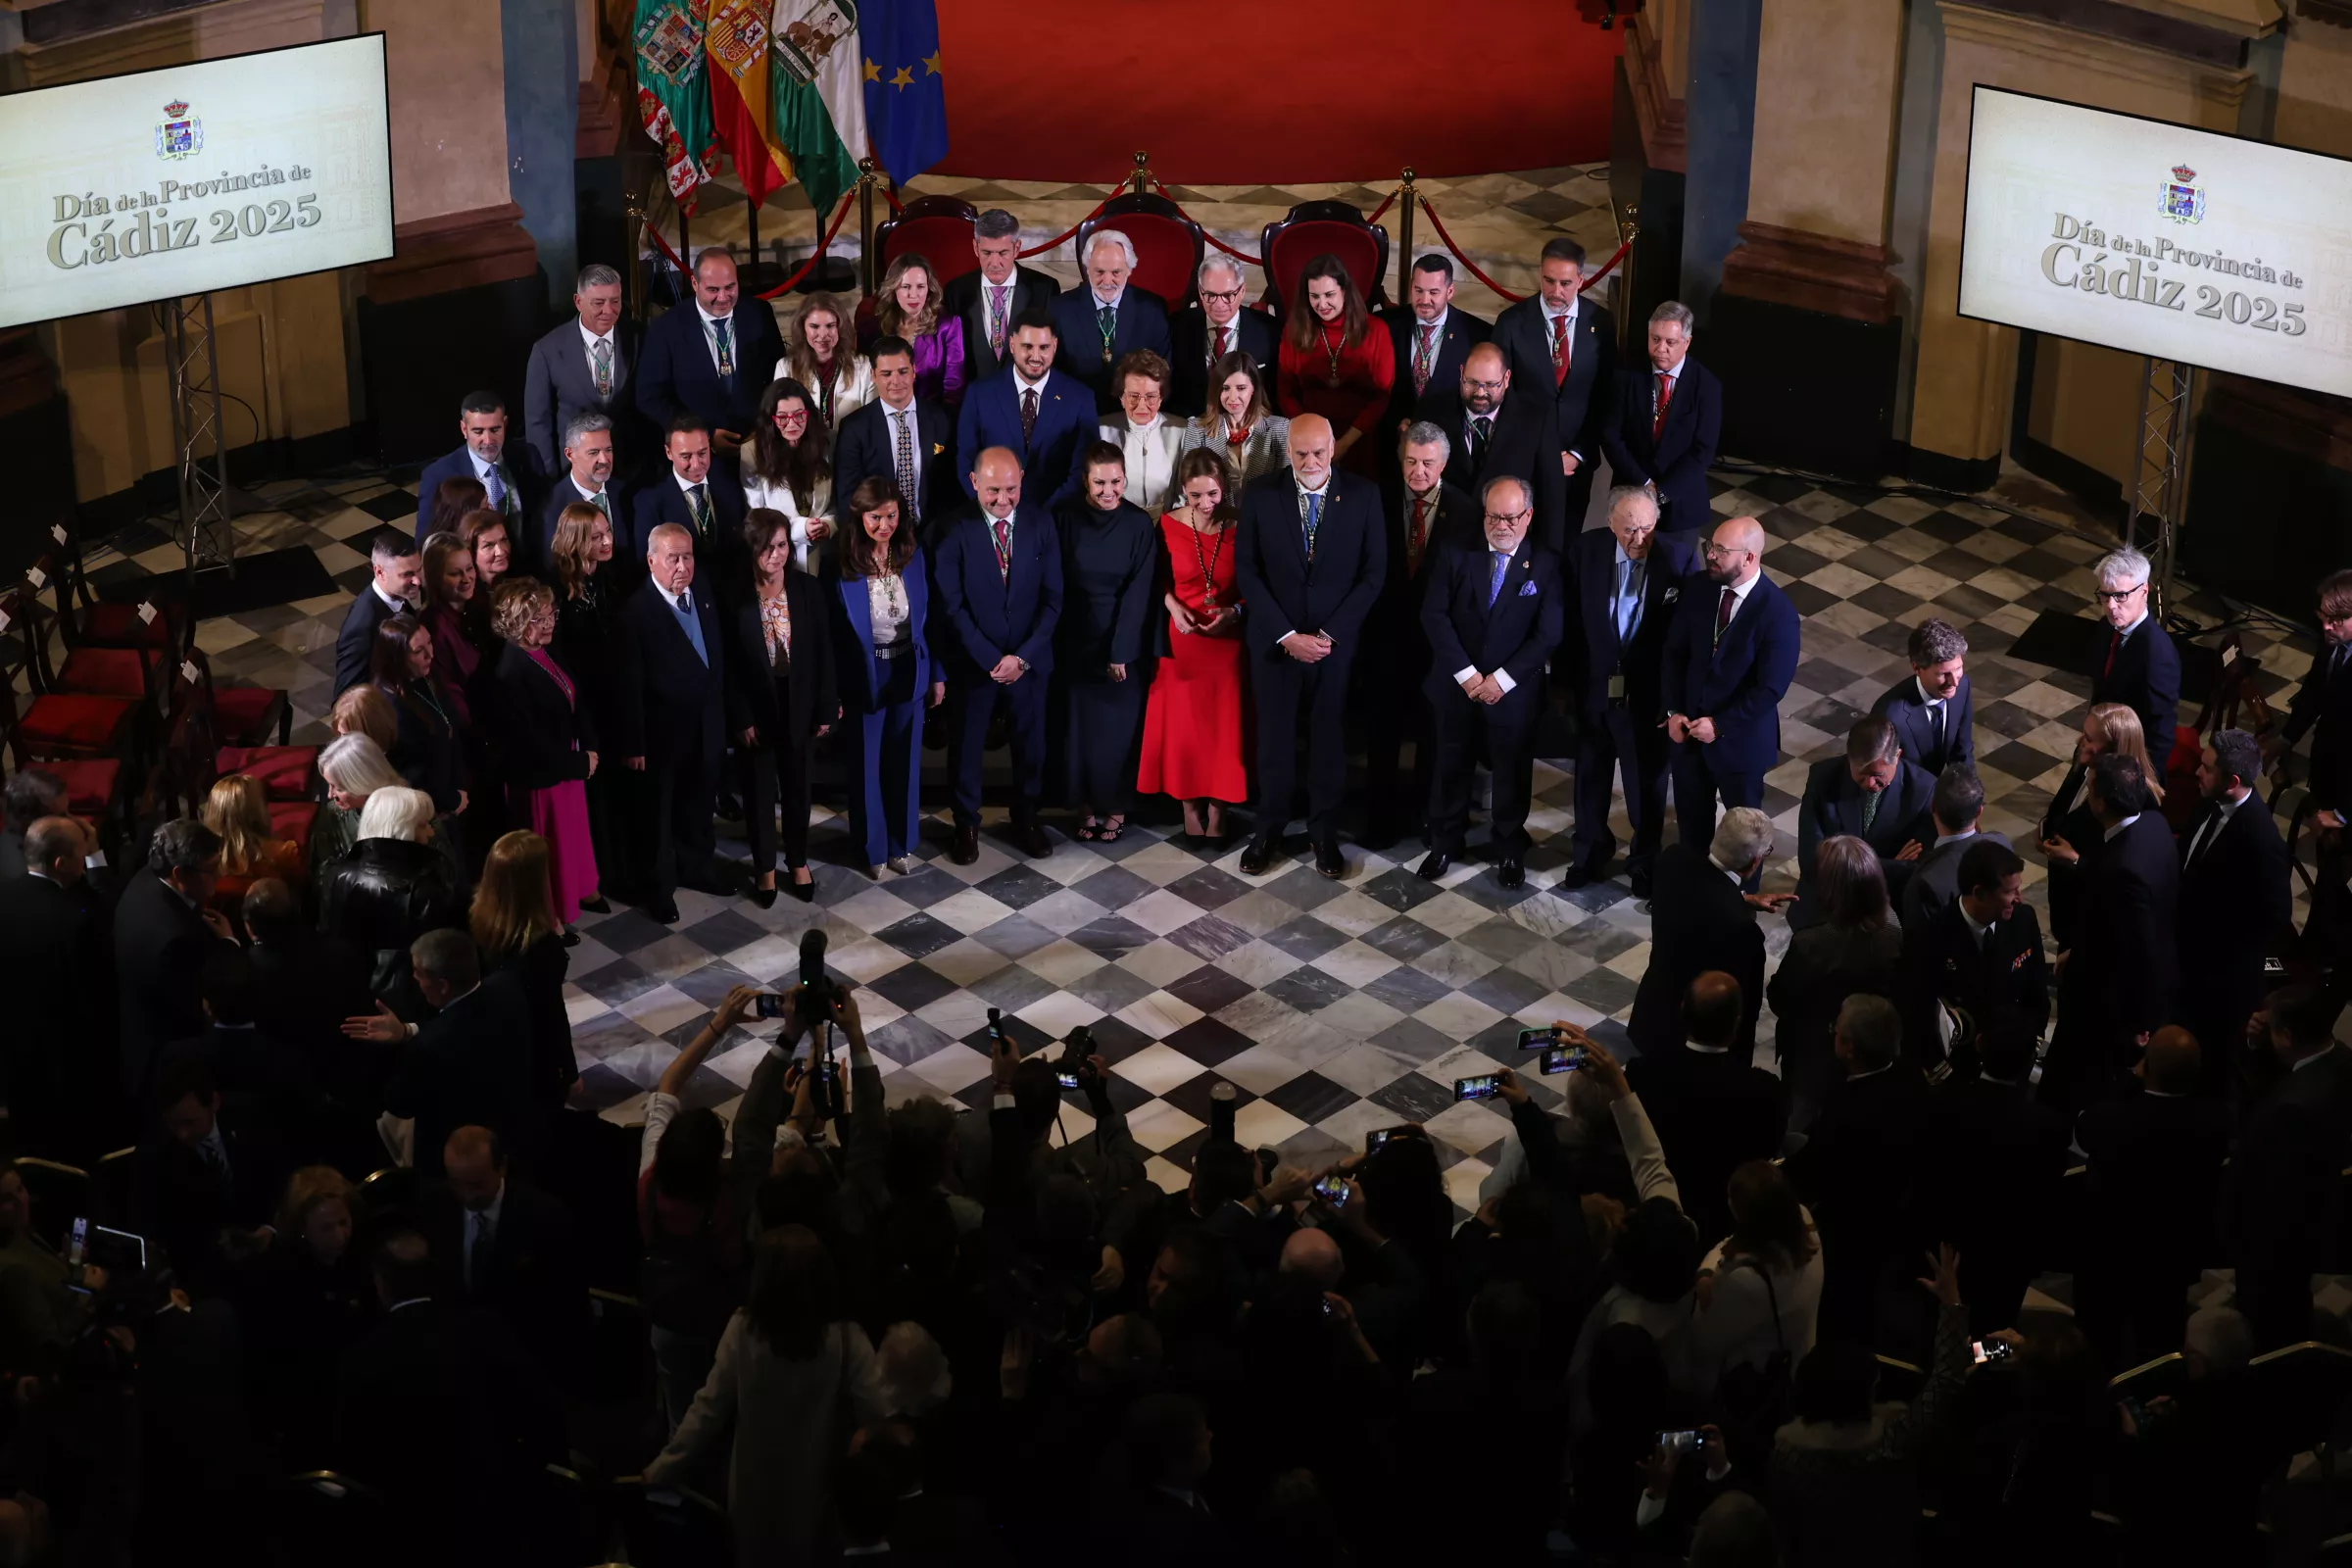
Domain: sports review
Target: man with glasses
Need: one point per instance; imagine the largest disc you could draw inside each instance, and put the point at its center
(1216, 327)
(1431, 337)
(1493, 616)
(1730, 658)
(1497, 435)
(2141, 668)
(989, 301)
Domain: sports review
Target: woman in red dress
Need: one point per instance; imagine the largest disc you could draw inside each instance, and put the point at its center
(1198, 716)
(1333, 361)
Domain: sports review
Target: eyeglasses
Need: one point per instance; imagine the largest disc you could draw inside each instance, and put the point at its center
(1511, 516)
(1221, 293)
(1483, 386)
(2116, 596)
(1713, 549)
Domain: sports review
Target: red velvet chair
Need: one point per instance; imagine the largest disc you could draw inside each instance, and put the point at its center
(1167, 244)
(939, 228)
(154, 626)
(70, 726)
(288, 773)
(89, 670)
(1315, 229)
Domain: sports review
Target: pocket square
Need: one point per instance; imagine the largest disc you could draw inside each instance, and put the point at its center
(1527, 590)
(1672, 596)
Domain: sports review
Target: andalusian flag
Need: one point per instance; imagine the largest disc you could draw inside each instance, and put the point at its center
(738, 38)
(821, 106)
(673, 92)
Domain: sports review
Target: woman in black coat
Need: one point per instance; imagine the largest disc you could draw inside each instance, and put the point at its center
(589, 584)
(548, 740)
(392, 887)
(781, 647)
(1854, 951)
(1110, 551)
(429, 746)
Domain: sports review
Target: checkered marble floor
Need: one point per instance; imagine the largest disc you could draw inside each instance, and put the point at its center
(1333, 1007)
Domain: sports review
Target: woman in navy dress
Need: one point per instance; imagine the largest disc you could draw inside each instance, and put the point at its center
(1110, 551)
(884, 673)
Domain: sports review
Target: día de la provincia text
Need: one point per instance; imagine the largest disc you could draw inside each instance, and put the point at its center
(2083, 256)
(93, 228)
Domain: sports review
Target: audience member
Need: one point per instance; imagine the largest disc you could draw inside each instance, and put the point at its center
(237, 810)
(1559, 339)
(304, 1303)
(396, 569)
(591, 648)
(1145, 436)
(712, 361)
(469, 1064)
(1861, 1166)
(456, 498)
(393, 888)
(2290, 1155)
(2194, 1462)
(1333, 364)
(164, 927)
(1239, 424)
(836, 374)
(1995, 1171)
(1730, 656)
(1044, 415)
(587, 365)
(46, 1301)
(1107, 318)
(884, 659)
(1873, 794)
(1666, 422)
(1853, 947)
(1759, 1293)
(899, 437)
(2070, 823)
(2141, 669)
(1109, 556)
(1955, 811)
(1714, 1111)
(454, 614)
(428, 750)
(1700, 921)
(2322, 709)
(1977, 961)
(788, 467)
(1216, 325)
(493, 542)
(2235, 906)
(2115, 973)
(549, 741)
(506, 1248)
(988, 299)
(908, 305)
(1195, 746)
(210, 1170)
(586, 481)
(57, 1075)
(1423, 513)
(1495, 434)
(516, 928)
(1653, 1265)
(482, 457)
(1430, 337)
(783, 657)
(1934, 711)
(306, 982)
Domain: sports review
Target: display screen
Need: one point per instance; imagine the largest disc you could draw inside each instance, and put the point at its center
(197, 178)
(2156, 239)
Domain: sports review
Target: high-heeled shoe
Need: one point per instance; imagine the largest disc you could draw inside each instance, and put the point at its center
(805, 892)
(597, 905)
(766, 898)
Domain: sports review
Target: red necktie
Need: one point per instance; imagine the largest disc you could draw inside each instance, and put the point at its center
(1724, 611)
(1028, 416)
(2114, 641)
(1417, 537)
(1224, 337)
(1657, 420)
(1004, 548)
(1424, 360)
(1559, 350)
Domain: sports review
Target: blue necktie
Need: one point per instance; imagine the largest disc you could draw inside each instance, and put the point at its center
(694, 626)
(1314, 519)
(1503, 564)
(1629, 602)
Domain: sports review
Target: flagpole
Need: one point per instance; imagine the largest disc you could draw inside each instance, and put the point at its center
(866, 225)
(751, 263)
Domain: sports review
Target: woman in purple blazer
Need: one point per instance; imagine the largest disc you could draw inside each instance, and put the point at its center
(908, 307)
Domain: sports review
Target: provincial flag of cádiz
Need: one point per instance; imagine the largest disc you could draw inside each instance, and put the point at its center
(737, 35)
(906, 91)
(815, 86)
(673, 92)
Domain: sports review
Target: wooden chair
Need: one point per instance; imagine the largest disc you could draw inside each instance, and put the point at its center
(2164, 1375)
(88, 668)
(61, 1194)
(116, 1183)
(2299, 1394)
(64, 727)
(1169, 245)
(155, 625)
(1315, 228)
(939, 228)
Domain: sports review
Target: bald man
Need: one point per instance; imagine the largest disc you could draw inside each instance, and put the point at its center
(996, 598)
(1730, 656)
(1497, 433)
(1311, 556)
(713, 359)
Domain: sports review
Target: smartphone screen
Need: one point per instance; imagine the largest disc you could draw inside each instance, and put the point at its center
(1066, 1077)
(1485, 1086)
(1680, 1441)
(1564, 1059)
(1991, 1350)
(1333, 1189)
(1381, 1135)
(1537, 1039)
(769, 1005)
(80, 1243)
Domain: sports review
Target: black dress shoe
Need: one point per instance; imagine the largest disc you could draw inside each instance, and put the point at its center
(597, 905)
(1328, 859)
(1578, 876)
(1031, 840)
(1641, 884)
(1511, 871)
(967, 844)
(1257, 856)
(572, 939)
(1434, 866)
(805, 892)
(662, 909)
(766, 898)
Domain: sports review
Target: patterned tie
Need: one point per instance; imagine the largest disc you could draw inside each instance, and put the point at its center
(701, 506)
(1503, 563)
(495, 483)
(1870, 808)
(1311, 504)
(1665, 400)
(216, 1158)
(1480, 428)
(1424, 356)
(1559, 351)
(906, 460)
(723, 330)
(505, 500)
(997, 316)
(1106, 322)
(1224, 344)
(1416, 537)
(1725, 610)
(602, 501)
(1003, 533)
(1028, 416)
(601, 355)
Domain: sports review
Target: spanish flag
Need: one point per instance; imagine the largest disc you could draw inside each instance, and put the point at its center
(740, 103)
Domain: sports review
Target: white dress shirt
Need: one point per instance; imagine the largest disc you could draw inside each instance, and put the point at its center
(711, 336)
(588, 342)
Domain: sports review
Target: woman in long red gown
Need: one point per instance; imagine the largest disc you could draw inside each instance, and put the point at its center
(1335, 361)
(1198, 715)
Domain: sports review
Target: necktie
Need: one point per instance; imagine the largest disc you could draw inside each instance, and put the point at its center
(602, 502)
(1003, 531)
(1424, 356)
(601, 356)
(1657, 420)
(1629, 602)
(216, 1158)
(701, 504)
(494, 485)
(1870, 809)
(724, 331)
(1314, 518)
(1725, 610)
(1028, 415)
(906, 460)
(1935, 729)
(505, 499)
(1106, 322)
(1224, 343)
(2335, 661)
(1559, 350)
(2114, 641)
(1416, 537)
(1503, 563)
(1480, 428)
(477, 1254)
(997, 316)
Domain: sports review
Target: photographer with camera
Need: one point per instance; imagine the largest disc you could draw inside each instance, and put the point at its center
(1108, 1160)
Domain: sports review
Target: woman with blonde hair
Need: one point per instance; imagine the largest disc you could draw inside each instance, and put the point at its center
(2070, 823)
(589, 586)
(550, 741)
(365, 709)
(841, 379)
(907, 307)
(238, 811)
(351, 769)
(516, 928)
(1240, 425)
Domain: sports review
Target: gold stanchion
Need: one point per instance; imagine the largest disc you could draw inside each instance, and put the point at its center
(868, 278)
(1142, 177)
(1404, 239)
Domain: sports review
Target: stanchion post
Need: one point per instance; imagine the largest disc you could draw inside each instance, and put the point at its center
(865, 226)
(685, 245)
(1140, 179)
(1404, 239)
(751, 208)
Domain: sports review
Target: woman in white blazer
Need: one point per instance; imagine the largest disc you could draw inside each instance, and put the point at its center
(1149, 438)
(1243, 429)
(819, 355)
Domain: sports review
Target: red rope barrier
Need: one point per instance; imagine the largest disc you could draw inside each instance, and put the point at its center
(663, 245)
(1160, 186)
(891, 196)
(1071, 232)
(1386, 202)
(818, 254)
(1438, 225)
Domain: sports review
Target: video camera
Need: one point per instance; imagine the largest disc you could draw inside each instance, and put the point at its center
(820, 1004)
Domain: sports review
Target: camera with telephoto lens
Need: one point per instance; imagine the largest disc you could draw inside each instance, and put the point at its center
(820, 1004)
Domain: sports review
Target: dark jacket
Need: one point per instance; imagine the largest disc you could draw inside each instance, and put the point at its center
(1901, 706)
(1739, 679)
(1522, 444)
(1698, 922)
(1594, 651)
(543, 738)
(468, 1066)
(1140, 322)
(1053, 452)
(355, 642)
(1713, 1112)
(980, 613)
(1942, 963)
(1460, 334)
(430, 750)
(160, 949)
(540, 966)
(863, 449)
(660, 499)
(966, 300)
(2122, 976)
(1833, 807)
(2324, 703)
(676, 373)
(2237, 898)
(1514, 633)
(1254, 333)
(384, 894)
(1584, 398)
(2146, 678)
(1673, 454)
(810, 687)
(1285, 592)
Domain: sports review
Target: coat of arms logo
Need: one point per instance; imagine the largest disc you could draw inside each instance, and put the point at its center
(178, 135)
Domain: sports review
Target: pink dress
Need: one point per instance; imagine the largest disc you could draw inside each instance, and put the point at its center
(559, 815)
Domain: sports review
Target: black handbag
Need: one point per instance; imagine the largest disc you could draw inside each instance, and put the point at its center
(1753, 1403)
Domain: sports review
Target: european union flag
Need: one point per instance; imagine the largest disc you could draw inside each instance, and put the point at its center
(906, 93)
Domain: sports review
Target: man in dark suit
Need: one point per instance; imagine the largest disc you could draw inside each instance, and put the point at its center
(1700, 920)
(2281, 1207)
(701, 496)
(208, 1166)
(2157, 1159)
(898, 436)
(1431, 338)
(1627, 583)
(1935, 711)
(585, 366)
(990, 300)
(469, 1064)
(54, 963)
(1216, 325)
(509, 478)
(586, 480)
(1977, 958)
(1311, 558)
(1998, 1159)
(306, 983)
(164, 928)
(1730, 656)
(33, 793)
(675, 711)
(711, 359)
(2323, 709)
(508, 1248)
(2236, 896)
(2118, 977)
(1873, 793)
(1955, 810)
(393, 591)
(1422, 512)
(1046, 418)
(996, 582)
(1497, 435)
(1493, 618)
(1860, 1168)
(1668, 417)
(2142, 668)
(1714, 1111)
(1559, 340)
(1109, 319)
